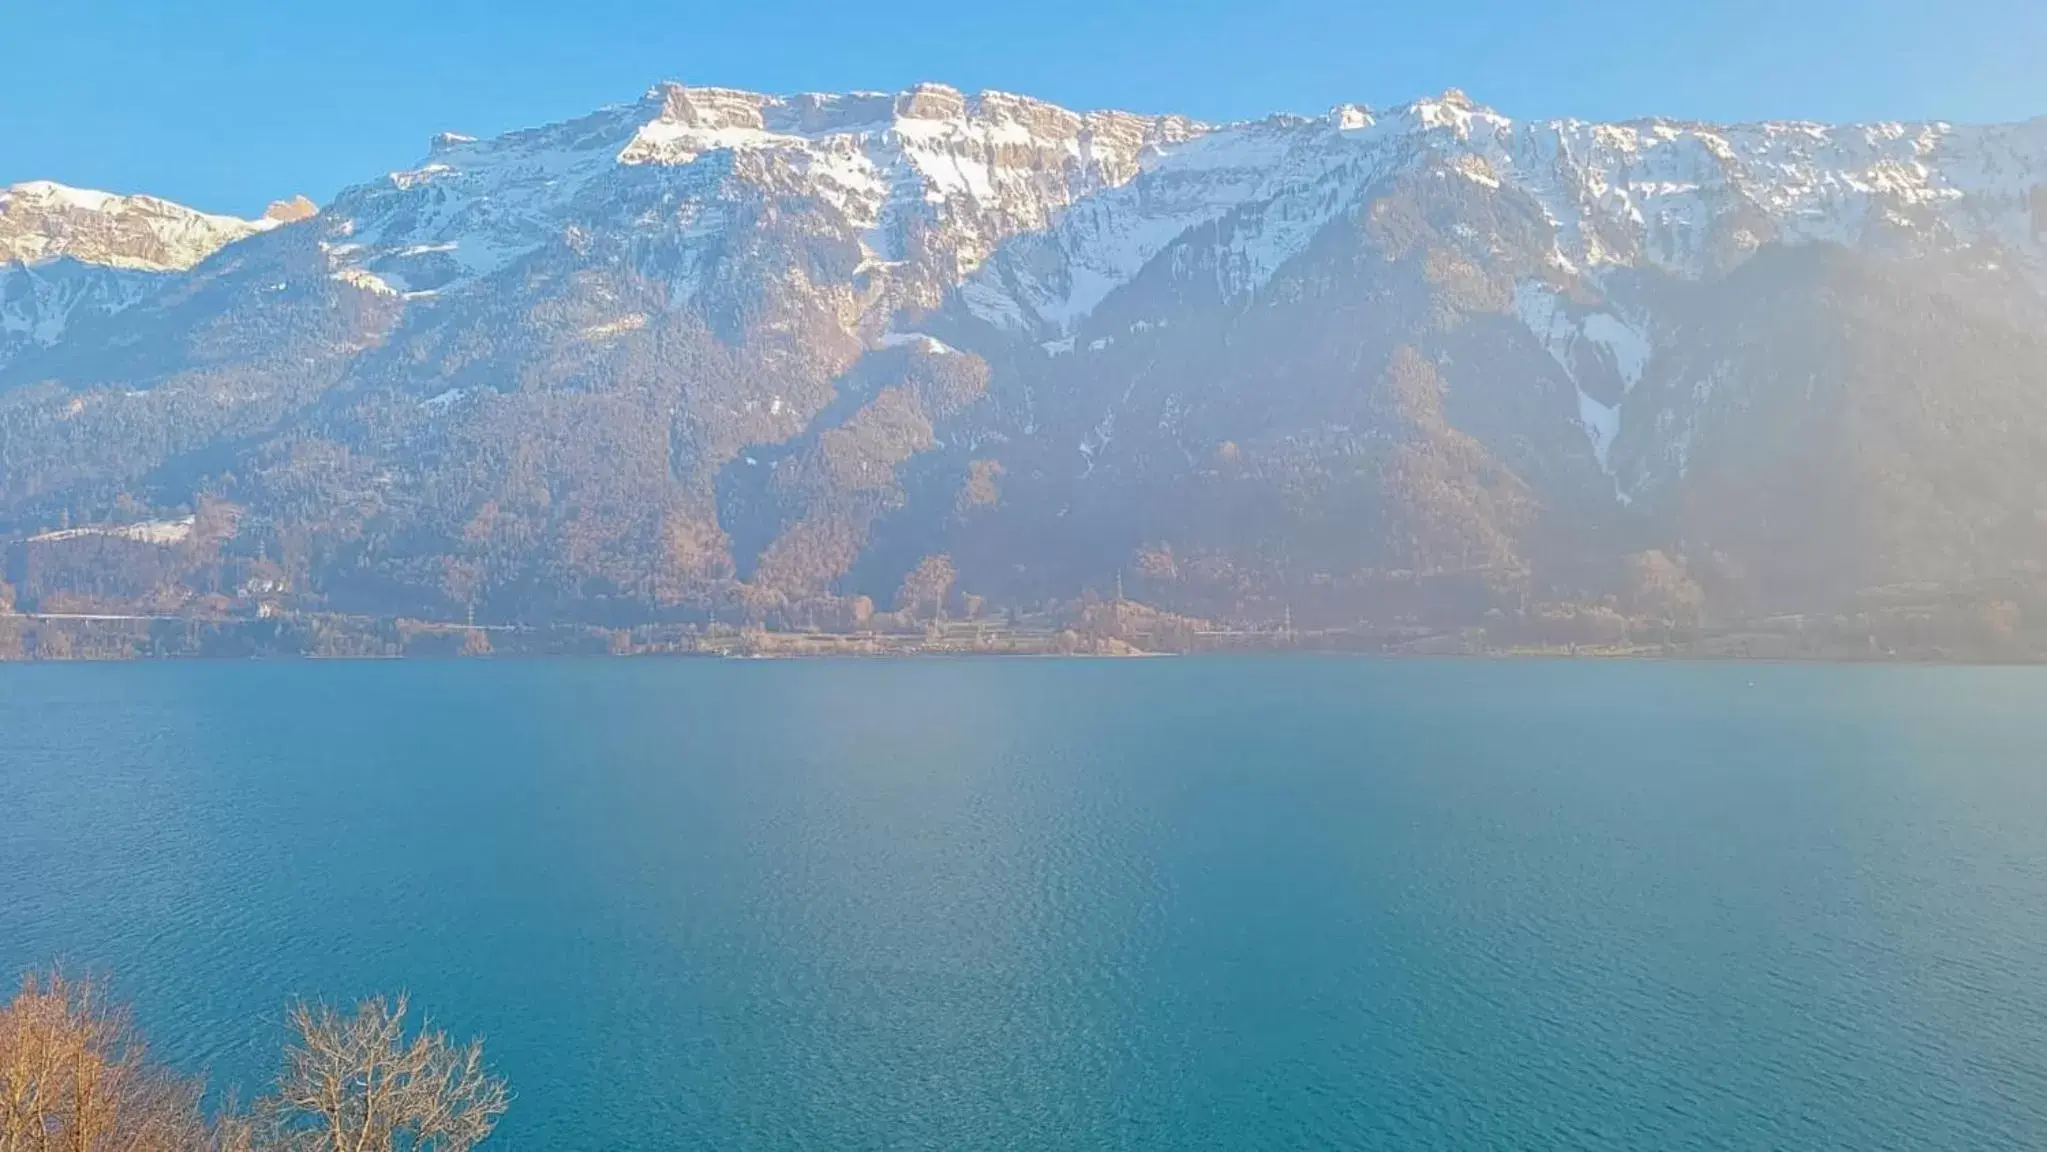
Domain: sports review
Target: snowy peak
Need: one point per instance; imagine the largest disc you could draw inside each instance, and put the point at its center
(822, 115)
(41, 220)
(1034, 214)
(993, 152)
(68, 255)
(1695, 199)
(926, 182)
(1452, 110)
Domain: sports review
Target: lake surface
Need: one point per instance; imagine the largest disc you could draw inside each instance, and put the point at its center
(1170, 904)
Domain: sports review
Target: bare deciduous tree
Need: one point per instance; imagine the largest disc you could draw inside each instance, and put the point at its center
(359, 1083)
(75, 1076)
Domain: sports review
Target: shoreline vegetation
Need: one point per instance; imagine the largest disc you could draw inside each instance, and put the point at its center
(1919, 634)
(77, 1075)
(89, 595)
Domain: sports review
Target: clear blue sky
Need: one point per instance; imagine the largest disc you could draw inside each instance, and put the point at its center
(227, 104)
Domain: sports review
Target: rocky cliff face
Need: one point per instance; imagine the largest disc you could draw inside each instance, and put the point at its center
(41, 221)
(719, 352)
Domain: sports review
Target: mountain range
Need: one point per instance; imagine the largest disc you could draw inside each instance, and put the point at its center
(718, 355)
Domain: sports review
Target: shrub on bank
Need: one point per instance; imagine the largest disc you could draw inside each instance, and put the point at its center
(77, 1076)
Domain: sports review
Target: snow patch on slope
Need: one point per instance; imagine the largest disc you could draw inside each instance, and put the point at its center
(1052, 280)
(165, 532)
(1629, 349)
(40, 303)
(1581, 344)
(930, 344)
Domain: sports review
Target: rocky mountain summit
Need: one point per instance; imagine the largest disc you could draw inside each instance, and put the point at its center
(71, 254)
(720, 355)
(41, 221)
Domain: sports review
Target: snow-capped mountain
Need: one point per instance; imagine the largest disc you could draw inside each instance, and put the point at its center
(1092, 198)
(1422, 361)
(1688, 199)
(926, 181)
(70, 254)
(42, 221)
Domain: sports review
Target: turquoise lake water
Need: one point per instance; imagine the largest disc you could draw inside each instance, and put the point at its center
(1172, 904)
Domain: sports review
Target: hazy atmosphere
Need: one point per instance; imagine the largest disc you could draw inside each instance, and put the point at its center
(520, 525)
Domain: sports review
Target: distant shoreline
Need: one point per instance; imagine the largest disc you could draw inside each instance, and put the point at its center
(118, 637)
